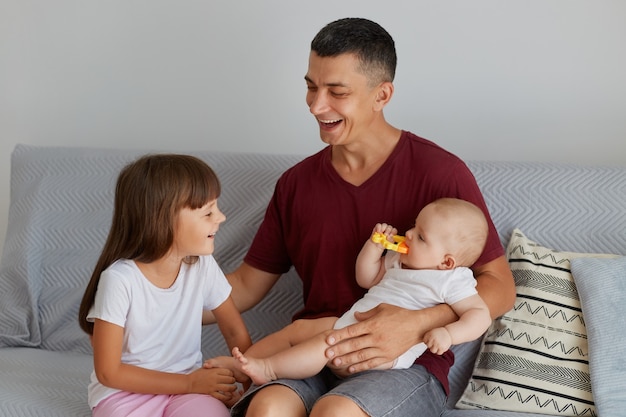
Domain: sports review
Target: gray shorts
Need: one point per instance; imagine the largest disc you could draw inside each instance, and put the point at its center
(389, 393)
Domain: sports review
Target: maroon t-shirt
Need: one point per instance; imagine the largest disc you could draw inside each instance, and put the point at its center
(317, 222)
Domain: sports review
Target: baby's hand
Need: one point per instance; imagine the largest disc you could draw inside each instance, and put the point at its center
(438, 340)
(386, 229)
(233, 398)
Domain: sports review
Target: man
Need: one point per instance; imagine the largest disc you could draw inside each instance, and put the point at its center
(323, 209)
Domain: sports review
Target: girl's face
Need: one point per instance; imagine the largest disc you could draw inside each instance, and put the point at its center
(195, 230)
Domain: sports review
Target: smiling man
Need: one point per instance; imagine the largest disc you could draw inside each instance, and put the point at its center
(323, 209)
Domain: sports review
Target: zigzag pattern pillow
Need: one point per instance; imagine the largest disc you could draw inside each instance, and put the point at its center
(535, 358)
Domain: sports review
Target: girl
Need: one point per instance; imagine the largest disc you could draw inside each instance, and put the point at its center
(143, 305)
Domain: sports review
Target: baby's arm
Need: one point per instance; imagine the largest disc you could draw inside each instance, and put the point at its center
(474, 319)
(370, 267)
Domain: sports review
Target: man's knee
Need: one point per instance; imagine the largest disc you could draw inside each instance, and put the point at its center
(276, 401)
(336, 406)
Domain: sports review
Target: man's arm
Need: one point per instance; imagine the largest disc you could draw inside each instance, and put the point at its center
(386, 331)
(250, 285)
(496, 286)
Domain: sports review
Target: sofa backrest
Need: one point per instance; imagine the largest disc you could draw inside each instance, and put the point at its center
(61, 205)
(563, 206)
(59, 216)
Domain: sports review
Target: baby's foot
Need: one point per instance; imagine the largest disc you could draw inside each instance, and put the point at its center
(258, 369)
(228, 362)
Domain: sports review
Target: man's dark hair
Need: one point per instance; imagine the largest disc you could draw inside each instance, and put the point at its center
(373, 46)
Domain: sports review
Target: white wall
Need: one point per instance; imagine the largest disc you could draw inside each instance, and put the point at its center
(487, 79)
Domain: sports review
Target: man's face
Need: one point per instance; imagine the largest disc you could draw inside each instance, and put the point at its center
(340, 98)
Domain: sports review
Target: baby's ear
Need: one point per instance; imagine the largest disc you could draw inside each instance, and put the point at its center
(448, 262)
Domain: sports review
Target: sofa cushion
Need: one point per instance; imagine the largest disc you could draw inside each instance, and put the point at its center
(601, 285)
(535, 357)
(58, 219)
(40, 383)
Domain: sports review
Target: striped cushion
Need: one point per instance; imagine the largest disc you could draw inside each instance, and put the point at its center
(535, 358)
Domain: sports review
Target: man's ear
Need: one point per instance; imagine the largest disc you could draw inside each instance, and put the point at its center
(385, 92)
(448, 262)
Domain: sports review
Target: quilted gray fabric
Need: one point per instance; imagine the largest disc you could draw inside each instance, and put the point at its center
(61, 201)
(566, 207)
(39, 383)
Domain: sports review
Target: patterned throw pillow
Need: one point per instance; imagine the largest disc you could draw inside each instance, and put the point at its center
(535, 358)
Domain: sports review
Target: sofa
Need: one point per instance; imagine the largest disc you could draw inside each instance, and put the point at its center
(60, 210)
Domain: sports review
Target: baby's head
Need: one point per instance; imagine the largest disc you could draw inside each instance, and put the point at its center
(448, 233)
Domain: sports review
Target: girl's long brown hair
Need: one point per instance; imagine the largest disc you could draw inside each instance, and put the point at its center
(149, 194)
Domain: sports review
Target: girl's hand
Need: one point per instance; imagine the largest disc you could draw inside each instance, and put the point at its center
(234, 397)
(227, 362)
(217, 382)
(233, 365)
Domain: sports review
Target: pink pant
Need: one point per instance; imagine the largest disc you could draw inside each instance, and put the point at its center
(127, 404)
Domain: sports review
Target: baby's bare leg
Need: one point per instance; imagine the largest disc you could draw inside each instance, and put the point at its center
(300, 361)
(290, 335)
(257, 369)
(253, 363)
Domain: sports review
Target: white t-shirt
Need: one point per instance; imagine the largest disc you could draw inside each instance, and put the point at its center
(162, 327)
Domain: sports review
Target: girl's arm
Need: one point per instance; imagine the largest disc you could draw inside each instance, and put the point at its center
(107, 348)
(250, 286)
(232, 326)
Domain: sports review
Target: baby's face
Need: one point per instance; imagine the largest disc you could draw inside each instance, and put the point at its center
(426, 242)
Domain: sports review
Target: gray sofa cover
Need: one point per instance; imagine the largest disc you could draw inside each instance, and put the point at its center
(60, 209)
